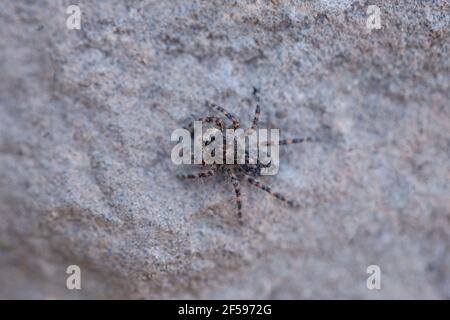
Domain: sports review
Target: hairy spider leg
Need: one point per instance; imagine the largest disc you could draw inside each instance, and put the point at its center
(261, 186)
(256, 118)
(237, 190)
(291, 141)
(227, 114)
(206, 174)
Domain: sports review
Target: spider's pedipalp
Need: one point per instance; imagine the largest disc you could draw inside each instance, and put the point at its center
(237, 190)
(227, 114)
(267, 189)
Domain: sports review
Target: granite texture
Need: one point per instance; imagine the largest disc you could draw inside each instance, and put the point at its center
(86, 176)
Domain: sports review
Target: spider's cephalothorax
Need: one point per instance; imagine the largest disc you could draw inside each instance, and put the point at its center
(235, 171)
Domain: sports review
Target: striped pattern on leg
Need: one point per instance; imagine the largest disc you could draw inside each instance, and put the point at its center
(290, 141)
(256, 118)
(206, 174)
(237, 190)
(267, 189)
(227, 114)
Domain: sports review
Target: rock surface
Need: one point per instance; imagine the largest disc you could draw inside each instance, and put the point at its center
(86, 176)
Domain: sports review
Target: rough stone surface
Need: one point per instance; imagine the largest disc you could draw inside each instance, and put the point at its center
(85, 170)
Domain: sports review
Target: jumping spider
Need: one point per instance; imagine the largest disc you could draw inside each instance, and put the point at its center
(247, 171)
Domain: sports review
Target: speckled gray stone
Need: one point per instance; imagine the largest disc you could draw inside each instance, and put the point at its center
(85, 170)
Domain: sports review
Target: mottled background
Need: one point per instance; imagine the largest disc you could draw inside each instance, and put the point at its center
(85, 170)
